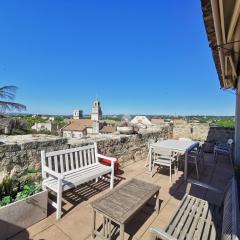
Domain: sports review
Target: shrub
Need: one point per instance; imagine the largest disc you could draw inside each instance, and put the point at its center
(5, 200)
(11, 190)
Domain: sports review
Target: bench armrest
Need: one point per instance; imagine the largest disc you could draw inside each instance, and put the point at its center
(108, 158)
(157, 232)
(53, 173)
(204, 185)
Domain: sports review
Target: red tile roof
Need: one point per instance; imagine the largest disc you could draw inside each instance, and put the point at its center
(78, 125)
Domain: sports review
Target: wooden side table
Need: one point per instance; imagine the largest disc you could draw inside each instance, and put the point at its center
(120, 205)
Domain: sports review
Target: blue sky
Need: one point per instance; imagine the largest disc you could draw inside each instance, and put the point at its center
(139, 57)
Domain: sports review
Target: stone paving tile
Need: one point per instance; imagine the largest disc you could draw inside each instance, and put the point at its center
(78, 224)
(51, 233)
(77, 221)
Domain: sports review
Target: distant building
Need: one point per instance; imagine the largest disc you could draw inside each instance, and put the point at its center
(108, 130)
(48, 126)
(51, 119)
(96, 116)
(179, 121)
(77, 114)
(79, 127)
(157, 121)
(141, 121)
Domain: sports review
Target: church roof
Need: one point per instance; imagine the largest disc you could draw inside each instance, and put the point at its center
(78, 125)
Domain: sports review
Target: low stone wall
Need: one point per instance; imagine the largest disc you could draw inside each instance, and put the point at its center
(203, 132)
(129, 149)
(23, 160)
(193, 131)
(20, 159)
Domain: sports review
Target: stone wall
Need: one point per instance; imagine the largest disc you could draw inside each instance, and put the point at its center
(194, 131)
(23, 159)
(18, 159)
(203, 132)
(220, 134)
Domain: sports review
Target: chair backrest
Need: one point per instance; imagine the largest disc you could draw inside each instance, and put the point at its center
(162, 151)
(230, 219)
(70, 159)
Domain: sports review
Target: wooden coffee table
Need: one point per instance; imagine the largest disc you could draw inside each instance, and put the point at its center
(120, 205)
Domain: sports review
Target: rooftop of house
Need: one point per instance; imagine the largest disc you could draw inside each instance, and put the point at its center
(108, 129)
(78, 125)
(76, 222)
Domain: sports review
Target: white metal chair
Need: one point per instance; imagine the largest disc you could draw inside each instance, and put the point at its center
(150, 141)
(194, 157)
(164, 157)
(224, 149)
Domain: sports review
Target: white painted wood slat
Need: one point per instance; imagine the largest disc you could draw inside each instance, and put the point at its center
(70, 168)
(56, 164)
(71, 159)
(67, 162)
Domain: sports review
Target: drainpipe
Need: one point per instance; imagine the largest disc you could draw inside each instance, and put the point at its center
(237, 128)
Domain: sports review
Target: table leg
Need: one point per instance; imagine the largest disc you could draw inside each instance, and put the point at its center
(121, 231)
(157, 203)
(150, 160)
(109, 229)
(104, 226)
(185, 166)
(94, 224)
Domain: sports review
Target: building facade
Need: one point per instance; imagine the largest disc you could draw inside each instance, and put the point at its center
(48, 126)
(78, 127)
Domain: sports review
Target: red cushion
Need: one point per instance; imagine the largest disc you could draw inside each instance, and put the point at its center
(108, 163)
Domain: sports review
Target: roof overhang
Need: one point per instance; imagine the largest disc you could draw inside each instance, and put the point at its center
(222, 23)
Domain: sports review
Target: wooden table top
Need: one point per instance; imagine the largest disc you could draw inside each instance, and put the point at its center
(122, 202)
(176, 145)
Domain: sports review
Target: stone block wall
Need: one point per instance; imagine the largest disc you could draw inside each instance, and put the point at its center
(131, 148)
(220, 134)
(203, 132)
(16, 159)
(193, 131)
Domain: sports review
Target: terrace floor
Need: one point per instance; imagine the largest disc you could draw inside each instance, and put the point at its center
(77, 220)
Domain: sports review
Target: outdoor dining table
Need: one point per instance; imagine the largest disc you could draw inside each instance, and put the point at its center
(182, 147)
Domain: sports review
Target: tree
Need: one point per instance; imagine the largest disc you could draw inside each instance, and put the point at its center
(8, 92)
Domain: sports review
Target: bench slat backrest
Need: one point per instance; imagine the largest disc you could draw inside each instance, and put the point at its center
(230, 219)
(70, 159)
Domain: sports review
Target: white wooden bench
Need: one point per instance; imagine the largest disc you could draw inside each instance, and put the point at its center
(198, 219)
(66, 169)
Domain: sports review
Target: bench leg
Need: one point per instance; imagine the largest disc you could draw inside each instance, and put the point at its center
(59, 200)
(112, 176)
(94, 224)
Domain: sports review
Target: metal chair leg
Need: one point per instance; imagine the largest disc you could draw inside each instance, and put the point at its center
(170, 173)
(197, 170)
